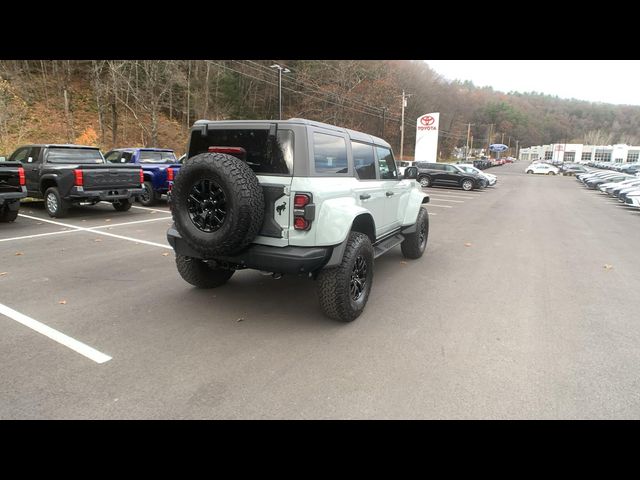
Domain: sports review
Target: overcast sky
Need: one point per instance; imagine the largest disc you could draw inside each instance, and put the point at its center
(608, 81)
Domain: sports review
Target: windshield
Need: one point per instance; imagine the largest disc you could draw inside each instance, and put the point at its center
(147, 156)
(74, 155)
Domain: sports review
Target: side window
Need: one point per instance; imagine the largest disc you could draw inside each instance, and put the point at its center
(21, 155)
(127, 157)
(330, 154)
(386, 164)
(364, 161)
(449, 169)
(113, 157)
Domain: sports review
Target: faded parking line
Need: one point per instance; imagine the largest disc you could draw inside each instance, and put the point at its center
(94, 230)
(69, 342)
(441, 206)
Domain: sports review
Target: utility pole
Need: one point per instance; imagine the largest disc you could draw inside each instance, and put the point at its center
(384, 115)
(489, 139)
(502, 141)
(517, 142)
(404, 104)
(466, 157)
(281, 70)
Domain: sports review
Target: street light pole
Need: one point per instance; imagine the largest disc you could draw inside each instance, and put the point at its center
(466, 158)
(281, 70)
(404, 104)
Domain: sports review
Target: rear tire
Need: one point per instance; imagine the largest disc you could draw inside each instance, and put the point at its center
(343, 290)
(467, 185)
(424, 181)
(415, 243)
(529, 171)
(55, 206)
(200, 274)
(8, 215)
(149, 198)
(122, 205)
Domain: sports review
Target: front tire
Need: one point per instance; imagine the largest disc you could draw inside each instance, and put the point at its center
(343, 290)
(122, 205)
(199, 274)
(551, 173)
(529, 171)
(55, 206)
(415, 243)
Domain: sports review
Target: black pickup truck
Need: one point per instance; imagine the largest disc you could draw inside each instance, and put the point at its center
(12, 189)
(64, 175)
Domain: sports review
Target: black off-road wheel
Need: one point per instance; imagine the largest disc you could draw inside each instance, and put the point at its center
(200, 274)
(55, 206)
(415, 243)
(217, 204)
(343, 290)
(8, 215)
(122, 205)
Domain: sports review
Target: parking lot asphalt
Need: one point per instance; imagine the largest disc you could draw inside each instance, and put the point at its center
(522, 307)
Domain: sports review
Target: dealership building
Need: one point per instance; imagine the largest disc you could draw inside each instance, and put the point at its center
(574, 152)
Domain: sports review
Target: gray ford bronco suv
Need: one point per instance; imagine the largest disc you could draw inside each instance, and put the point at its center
(293, 196)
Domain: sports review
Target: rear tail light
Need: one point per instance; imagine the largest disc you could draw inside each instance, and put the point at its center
(21, 176)
(303, 211)
(170, 174)
(141, 176)
(79, 181)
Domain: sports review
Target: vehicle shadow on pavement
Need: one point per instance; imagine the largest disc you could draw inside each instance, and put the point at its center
(250, 296)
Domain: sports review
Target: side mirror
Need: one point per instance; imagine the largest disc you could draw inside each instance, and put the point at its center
(411, 173)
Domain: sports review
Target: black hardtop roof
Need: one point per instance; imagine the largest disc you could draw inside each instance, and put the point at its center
(60, 145)
(353, 134)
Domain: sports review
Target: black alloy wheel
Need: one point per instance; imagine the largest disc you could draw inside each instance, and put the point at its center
(207, 205)
(358, 283)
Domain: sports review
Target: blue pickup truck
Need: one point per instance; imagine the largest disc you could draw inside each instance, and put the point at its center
(160, 167)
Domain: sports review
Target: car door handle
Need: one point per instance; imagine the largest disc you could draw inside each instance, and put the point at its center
(389, 194)
(365, 196)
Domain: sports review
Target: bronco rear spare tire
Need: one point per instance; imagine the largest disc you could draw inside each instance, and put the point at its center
(217, 204)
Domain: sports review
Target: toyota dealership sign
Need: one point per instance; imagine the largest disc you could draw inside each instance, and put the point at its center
(427, 137)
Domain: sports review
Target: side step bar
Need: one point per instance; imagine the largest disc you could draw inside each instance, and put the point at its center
(387, 244)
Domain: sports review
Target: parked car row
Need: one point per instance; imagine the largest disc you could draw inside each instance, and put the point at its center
(64, 175)
(631, 168)
(624, 187)
(445, 174)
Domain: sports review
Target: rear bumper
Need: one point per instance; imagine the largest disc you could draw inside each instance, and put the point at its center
(263, 257)
(104, 195)
(10, 197)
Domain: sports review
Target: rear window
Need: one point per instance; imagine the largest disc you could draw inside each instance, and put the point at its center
(74, 155)
(157, 157)
(261, 157)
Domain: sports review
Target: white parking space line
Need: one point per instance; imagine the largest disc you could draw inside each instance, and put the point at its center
(151, 209)
(441, 206)
(447, 200)
(432, 213)
(37, 235)
(449, 196)
(92, 230)
(132, 223)
(75, 345)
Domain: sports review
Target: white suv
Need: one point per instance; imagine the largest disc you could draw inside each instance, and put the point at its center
(293, 196)
(543, 168)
